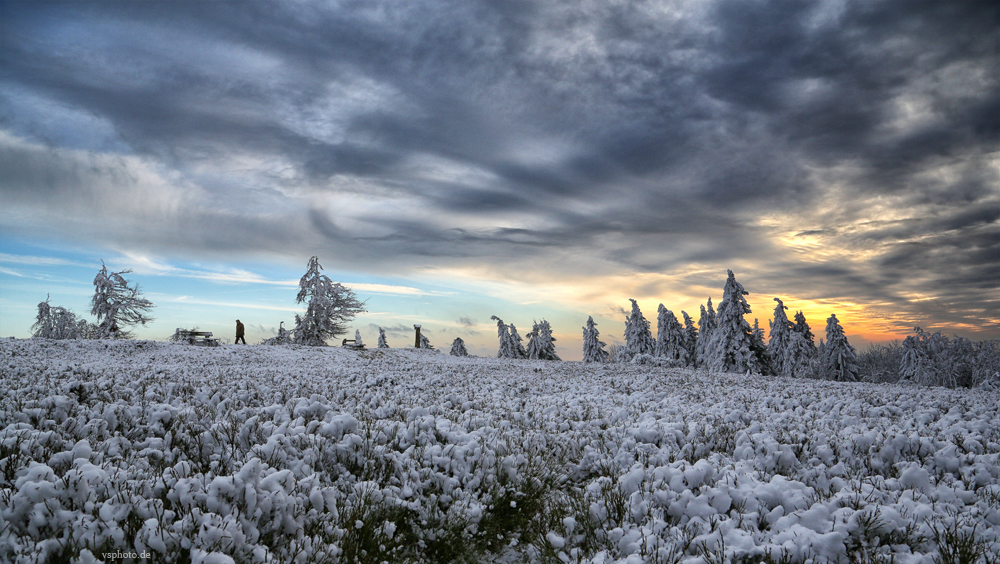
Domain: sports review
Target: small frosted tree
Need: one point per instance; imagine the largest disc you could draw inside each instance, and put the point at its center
(540, 342)
(638, 338)
(706, 323)
(330, 306)
(839, 361)
(730, 347)
(690, 339)
(593, 346)
(507, 349)
(669, 336)
(425, 343)
(458, 348)
(57, 322)
(382, 344)
(117, 305)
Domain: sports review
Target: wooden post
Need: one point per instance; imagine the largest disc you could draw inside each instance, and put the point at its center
(416, 343)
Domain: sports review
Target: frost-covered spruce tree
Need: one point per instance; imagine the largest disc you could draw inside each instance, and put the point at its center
(425, 343)
(802, 328)
(760, 349)
(839, 361)
(57, 322)
(593, 346)
(638, 338)
(117, 305)
(458, 348)
(516, 343)
(706, 323)
(791, 354)
(730, 347)
(507, 348)
(330, 306)
(669, 336)
(690, 339)
(382, 344)
(540, 342)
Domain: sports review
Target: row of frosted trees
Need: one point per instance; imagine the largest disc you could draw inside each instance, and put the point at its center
(724, 341)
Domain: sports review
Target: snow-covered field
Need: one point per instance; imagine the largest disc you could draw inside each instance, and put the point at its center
(289, 454)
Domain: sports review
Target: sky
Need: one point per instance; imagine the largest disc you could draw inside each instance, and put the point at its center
(450, 161)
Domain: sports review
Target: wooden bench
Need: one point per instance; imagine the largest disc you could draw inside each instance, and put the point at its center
(353, 344)
(202, 338)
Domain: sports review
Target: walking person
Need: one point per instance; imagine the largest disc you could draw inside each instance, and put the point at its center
(239, 333)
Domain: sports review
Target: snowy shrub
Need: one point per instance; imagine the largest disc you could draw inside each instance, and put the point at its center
(330, 306)
(880, 363)
(298, 454)
(935, 360)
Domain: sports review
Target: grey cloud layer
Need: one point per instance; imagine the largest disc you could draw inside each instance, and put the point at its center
(593, 138)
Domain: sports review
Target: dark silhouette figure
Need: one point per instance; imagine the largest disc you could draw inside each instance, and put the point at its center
(239, 333)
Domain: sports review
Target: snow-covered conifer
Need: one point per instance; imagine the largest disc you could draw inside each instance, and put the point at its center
(507, 348)
(706, 323)
(802, 328)
(839, 361)
(593, 347)
(790, 353)
(638, 338)
(540, 342)
(516, 343)
(425, 343)
(458, 348)
(731, 346)
(330, 307)
(690, 339)
(382, 344)
(117, 305)
(669, 336)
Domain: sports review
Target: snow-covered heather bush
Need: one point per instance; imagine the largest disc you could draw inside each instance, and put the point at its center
(305, 454)
(593, 346)
(117, 305)
(541, 343)
(330, 306)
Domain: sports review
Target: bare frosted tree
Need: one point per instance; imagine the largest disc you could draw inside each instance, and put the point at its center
(117, 305)
(330, 306)
(57, 322)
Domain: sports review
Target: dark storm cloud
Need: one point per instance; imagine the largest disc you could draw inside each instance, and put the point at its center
(646, 137)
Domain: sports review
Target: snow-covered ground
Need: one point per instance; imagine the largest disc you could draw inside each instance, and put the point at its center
(290, 454)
